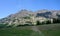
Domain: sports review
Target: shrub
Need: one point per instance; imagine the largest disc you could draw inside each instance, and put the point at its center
(43, 23)
(56, 20)
(27, 17)
(48, 22)
(10, 26)
(38, 23)
(3, 25)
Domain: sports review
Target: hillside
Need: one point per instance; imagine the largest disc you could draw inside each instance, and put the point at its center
(41, 30)
(28, 17)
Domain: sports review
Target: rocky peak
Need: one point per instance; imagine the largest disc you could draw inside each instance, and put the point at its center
(18, 17)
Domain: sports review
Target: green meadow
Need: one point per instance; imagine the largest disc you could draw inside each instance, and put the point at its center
(46, 30)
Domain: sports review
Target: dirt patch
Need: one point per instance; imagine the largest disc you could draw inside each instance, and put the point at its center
(35, 28)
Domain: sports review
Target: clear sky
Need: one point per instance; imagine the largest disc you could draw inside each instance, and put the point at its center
(8, 7)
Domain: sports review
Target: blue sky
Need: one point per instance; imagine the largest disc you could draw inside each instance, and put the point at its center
(8, 7)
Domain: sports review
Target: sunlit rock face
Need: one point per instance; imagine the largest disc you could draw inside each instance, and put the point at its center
(29, 17)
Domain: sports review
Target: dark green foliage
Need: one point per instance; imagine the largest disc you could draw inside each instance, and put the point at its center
(48, 22)
(38, 23)
(10, 26)
(26, 24)
(43, 23)
(29, 22)
(56, 20)
(19, 25)
(27, 17)
(3, 25)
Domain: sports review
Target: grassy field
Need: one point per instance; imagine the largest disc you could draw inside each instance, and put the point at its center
(47, 30)
(15, 32)
(51, 32)
(18, 32)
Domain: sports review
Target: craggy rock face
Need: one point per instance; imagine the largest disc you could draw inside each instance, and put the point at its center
(22, 16)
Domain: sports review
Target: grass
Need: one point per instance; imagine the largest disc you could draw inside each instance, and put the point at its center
(15, 32)
(51, 32)
(18, 32)
(26, 31)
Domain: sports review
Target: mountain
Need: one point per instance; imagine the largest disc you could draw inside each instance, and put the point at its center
(25, 17)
